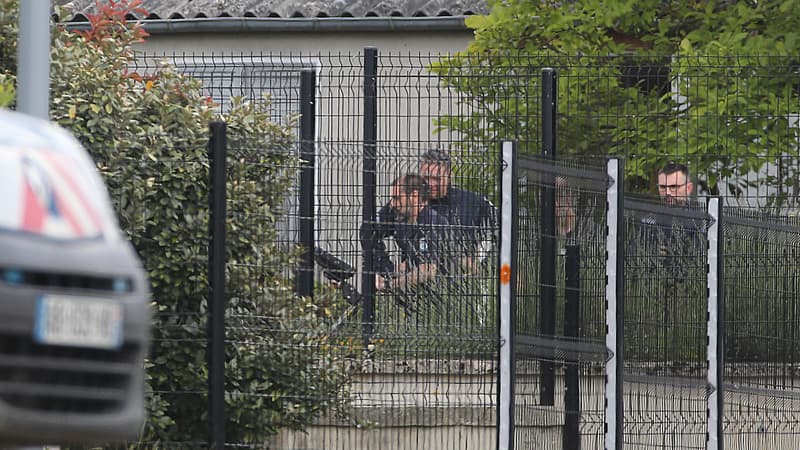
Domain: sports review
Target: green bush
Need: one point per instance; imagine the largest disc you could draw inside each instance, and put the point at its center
(8, 51)
(7, 92)
(652, 80)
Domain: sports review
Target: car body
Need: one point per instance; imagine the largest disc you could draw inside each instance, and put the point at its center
(74, 297)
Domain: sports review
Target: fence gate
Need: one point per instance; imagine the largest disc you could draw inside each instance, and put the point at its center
(559, 312)
(666, 309)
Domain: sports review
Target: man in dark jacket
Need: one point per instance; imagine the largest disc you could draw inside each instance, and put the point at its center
(471, 216)
(418, 231)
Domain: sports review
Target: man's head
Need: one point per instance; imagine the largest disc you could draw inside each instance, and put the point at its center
(410, 195)
(435, 168)
(674, 186)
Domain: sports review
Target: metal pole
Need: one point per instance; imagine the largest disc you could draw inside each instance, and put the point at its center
(506, 287)
(370, 180)
(547, 268)
(572, 320)
(33, 57)
(216, 267)
(304, 279)
(615, 284)
(716, 328)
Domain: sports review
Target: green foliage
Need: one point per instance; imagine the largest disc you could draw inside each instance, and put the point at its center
(9, 18)
(7, 91)
(721, 100)
(148, 134)
(8, 51)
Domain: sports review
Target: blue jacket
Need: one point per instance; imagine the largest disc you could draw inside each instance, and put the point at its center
(420, 242)
(471, 217)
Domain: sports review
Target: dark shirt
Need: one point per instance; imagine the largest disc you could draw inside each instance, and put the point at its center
(667, 243)
(420, 242)
(471, 218)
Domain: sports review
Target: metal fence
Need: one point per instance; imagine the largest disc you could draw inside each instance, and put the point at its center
(429, 377)
(760, 325)
(665, 325)
(689, 343)
(560, 313)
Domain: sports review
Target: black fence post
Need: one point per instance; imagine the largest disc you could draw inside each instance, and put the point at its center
(216, 277)
(547, 268)
(304, 278)
(370, 179)
(572, 321)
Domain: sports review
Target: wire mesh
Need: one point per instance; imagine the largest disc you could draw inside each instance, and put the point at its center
(664, 346)
(427, 380)
(429, 377)
(762, 389)
(566, 358)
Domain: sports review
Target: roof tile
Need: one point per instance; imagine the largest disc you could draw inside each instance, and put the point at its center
(188, 9)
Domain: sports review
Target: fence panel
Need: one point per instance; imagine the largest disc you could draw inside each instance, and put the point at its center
(429, 378)
(559, 374)
(665, 325)
(426, 375)
(762, 349)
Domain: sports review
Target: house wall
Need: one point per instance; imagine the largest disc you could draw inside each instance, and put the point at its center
(409, 100)
(311, 42)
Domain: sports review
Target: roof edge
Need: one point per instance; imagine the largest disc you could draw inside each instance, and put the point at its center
(315, 24)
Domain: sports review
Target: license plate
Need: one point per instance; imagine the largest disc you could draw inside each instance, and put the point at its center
(78, 321)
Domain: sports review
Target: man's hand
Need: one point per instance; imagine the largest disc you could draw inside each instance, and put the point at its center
(417, 275)
(380, 283)
(468, 263)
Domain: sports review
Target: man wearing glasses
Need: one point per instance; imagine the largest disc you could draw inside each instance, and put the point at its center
(669, 236)
(674, 186)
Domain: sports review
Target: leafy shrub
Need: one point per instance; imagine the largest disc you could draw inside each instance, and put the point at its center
(650, 81)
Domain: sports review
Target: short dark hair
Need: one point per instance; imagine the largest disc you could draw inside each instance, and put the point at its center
(411, 182)
(436, 156)
(673, 167)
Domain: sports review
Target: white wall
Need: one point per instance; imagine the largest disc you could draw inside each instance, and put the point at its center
(311, 42)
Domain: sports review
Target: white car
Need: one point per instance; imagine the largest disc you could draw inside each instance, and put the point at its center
(74, 298)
